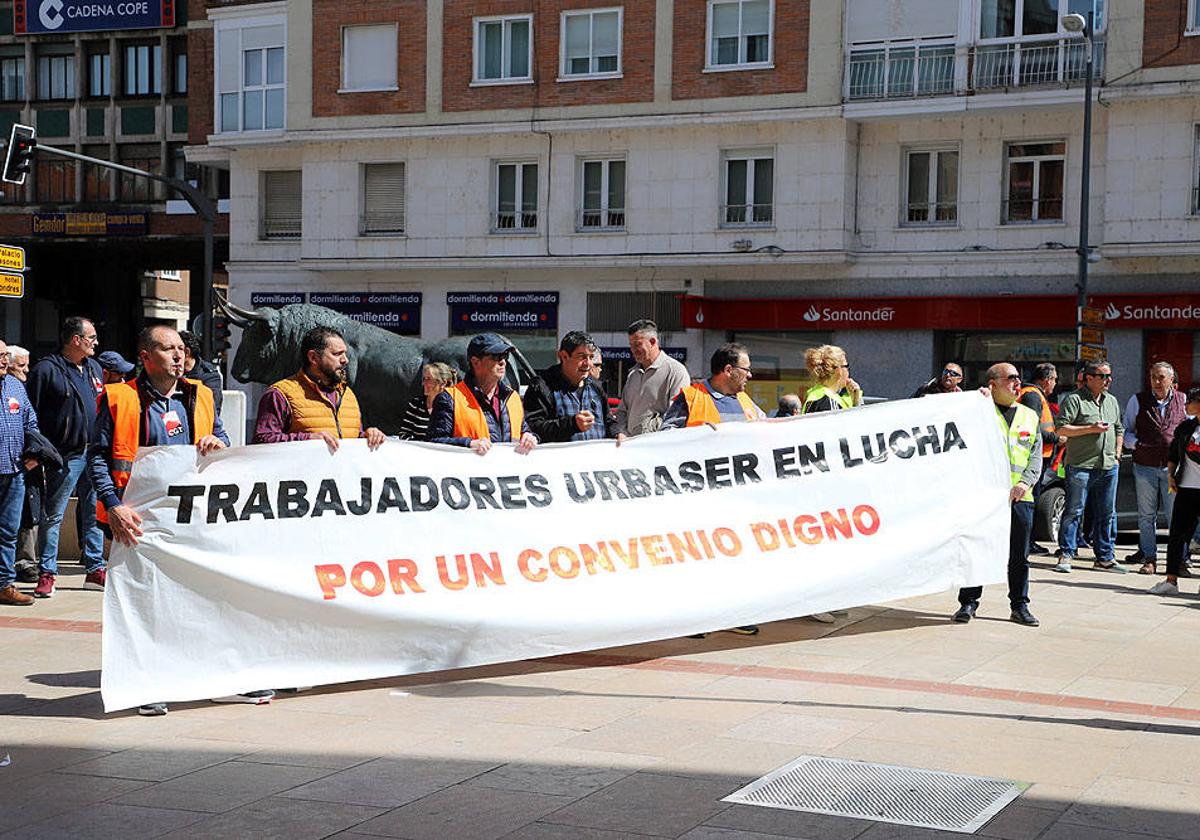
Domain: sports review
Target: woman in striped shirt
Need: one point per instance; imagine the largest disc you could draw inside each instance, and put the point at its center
(435, 378)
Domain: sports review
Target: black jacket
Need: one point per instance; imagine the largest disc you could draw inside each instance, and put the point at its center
(541, 412)
(1179, 443)
(207, 373)
(41, 450)
(64, 401)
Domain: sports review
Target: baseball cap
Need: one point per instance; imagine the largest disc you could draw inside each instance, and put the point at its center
(113, 361)
(488, 343)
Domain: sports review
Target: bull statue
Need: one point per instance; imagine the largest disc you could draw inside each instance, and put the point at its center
(385, 368)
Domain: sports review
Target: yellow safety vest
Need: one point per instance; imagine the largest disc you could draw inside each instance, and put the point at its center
(1021, 437)
(817, 391)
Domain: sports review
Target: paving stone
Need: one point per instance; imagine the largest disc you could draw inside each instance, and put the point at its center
(1181, 822)
(660, 805)
(708, 832)
(154, 765)
(558, 780)
(1019, 822)
(785, 823)
(388, 783)
(549, 831)
(38, 798)
(224, 787)
(107, 820)
(464, 811)
(285, 819)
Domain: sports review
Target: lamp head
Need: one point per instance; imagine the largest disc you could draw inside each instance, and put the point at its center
(1074, 23)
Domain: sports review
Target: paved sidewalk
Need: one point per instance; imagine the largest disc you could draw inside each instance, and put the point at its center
(1098, 709)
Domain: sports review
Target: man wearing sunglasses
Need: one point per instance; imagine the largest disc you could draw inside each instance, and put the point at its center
(948, 382)
(482, 409)
(1023, 441)
(1090, 421)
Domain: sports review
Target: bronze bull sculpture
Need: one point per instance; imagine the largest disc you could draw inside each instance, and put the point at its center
(385, 368)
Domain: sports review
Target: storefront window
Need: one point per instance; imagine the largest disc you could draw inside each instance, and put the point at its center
(976, 352)
(777, 359)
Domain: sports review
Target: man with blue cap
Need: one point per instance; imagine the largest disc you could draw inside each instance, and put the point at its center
(116, 368)
(482, 409)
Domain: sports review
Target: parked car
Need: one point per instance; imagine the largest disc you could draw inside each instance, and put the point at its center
(1047, 516)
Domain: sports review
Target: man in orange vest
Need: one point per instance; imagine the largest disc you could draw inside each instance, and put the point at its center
(1036, 397)
(482, 409)
(315, 402)
(721, 398)
(158, 408)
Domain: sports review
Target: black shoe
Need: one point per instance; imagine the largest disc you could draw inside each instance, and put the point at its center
(26, 571)
(698, 636)
(745, 630)
(1185, 572)
(1136, 557)
(1039, 551)
(965, 613)
(1022, 615)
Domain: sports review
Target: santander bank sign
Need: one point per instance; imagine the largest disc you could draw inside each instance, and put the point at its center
(842, 314)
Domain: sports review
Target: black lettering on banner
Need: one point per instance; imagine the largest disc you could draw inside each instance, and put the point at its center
(810, 458)
(953, 439)
(391, 497)
(483, 490)
(847, 459)
(454, 494)
(635, 480)
(538, 488)
(664, 483)
(610, 485)
(586, 494)
(717, 472)
(329, 497)
(221, 498)
(424, 493)
(901, 444)
(363, 505)
(691, 477)
(258, 503)
(291, 501)
(510, 492)
(187, 494)
(928, 438)
(745, 467)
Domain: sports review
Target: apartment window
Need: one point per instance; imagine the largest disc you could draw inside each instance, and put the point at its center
(748, 188)
(739, 33)
(179, 67)
(503, 49)
(143, 69)
(134, 188)
(97, 180)
(12, 78)
(383, 198)
(931, 187)
(1196, 171)
(54, 182)
(56, 76)
(251, 81)
(369, 57)
(281, 205)
(99, 74)
(591, 43)
(1035, 182)
(602, 194)
(1193, 19)
(516, 197)
(1018, 18)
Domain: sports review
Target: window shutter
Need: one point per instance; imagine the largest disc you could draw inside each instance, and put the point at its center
(282, 193)
(383, 198)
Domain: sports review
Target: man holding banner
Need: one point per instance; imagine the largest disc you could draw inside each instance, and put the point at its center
(482, 409)
(721, 398)
(1023, 438)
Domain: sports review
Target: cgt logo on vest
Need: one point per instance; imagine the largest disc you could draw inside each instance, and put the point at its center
(848, 314)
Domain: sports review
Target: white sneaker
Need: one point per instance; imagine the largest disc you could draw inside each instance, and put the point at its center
(824, 618)
(255, 698)
(1164, 587)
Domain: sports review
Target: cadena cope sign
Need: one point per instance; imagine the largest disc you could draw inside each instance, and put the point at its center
(51, 16)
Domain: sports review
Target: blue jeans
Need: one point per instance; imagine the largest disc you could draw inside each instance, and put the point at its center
(73, 477)
(1151, 484)
(1100, 487)
(12, 499)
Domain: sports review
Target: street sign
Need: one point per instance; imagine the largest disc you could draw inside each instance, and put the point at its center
(12, 258)
(1091, 335)
(1088, 353)
(1093, 316)
(12, 285)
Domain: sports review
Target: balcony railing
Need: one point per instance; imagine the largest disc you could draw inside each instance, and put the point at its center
(746, 215)
(910, 69)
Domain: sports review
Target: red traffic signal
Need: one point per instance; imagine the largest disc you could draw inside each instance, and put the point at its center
(18, 156)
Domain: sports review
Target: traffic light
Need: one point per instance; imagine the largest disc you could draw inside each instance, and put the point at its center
(220, 335)
(18, 157)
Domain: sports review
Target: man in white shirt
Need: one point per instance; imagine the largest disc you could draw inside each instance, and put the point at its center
(652, 384)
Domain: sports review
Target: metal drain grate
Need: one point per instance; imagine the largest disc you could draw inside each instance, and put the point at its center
(901, 795)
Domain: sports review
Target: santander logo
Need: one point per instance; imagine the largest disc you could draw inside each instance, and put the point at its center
(1111, 313)
(848, 313)
(813, 314)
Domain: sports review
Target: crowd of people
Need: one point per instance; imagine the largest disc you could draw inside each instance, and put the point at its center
(76, 419)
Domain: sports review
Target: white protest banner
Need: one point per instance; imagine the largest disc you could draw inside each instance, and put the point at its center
(283, 565)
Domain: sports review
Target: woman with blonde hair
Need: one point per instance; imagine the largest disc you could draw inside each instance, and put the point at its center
(435, 378)
(835, 389)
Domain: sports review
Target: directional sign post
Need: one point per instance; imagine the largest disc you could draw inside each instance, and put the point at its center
(12, 258)
(12, 285)
(12, 262)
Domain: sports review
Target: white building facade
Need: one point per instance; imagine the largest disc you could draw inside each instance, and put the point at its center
(899, 178)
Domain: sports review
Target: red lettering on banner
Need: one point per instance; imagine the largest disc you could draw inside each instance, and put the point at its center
(364, 568)
(727, 542)
(523, 560)
(598, 556)
(765, 535)
(837, 524)
(564, 562)
(651, 546)
(485, 570)
(401, 572)
(860, 516)
(331, 577)
(444, 572)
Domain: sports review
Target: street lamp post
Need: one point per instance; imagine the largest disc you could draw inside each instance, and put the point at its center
(1083, 25)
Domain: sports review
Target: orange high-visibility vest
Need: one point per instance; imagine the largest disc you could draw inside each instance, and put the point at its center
(702, 408)
(469, 419)
(1047, 418)
(125, 405)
